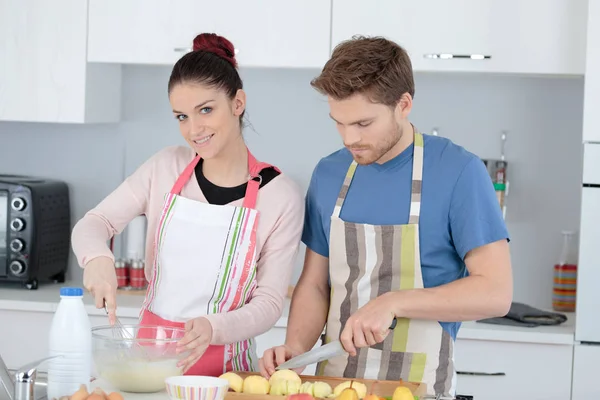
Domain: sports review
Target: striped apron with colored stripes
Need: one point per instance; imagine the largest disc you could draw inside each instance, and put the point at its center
(205, 263)
(366, 261)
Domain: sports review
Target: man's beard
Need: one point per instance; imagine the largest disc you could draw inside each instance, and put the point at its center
(375, 153)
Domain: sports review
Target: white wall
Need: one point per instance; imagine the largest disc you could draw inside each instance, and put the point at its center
(291, 129)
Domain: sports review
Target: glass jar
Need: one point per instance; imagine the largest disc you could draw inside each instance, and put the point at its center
(564, 288)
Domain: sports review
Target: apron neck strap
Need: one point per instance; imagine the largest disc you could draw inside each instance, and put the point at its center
(254, 168)
(417, 179)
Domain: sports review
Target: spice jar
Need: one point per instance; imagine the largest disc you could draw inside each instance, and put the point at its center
(122, 274)
(564, 288)
(137, 279)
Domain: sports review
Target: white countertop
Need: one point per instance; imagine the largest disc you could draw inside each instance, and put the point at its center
(107, 388)
(46, 298)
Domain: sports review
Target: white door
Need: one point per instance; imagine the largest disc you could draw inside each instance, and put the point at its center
(131, 32)
(591, 116)
(512, 36)
(585, 372)
(540, 36)
(265, 33)
(588, 275)
(43, 72)
(425, 28)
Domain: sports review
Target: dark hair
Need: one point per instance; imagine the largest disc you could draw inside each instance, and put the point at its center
(211, 62)
(373, 66)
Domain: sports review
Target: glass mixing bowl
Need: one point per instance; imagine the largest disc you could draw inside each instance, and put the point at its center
(137, 358)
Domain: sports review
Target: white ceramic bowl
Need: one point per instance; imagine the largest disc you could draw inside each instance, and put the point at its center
(191, 387)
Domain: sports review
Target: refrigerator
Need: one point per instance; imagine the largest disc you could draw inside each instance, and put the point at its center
(586, 356)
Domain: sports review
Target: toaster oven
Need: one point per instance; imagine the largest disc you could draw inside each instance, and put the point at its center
(35, 230)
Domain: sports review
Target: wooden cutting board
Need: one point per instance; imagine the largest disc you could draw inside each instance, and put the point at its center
(377, 387)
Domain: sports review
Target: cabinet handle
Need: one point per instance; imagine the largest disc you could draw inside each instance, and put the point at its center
(448, 56)
(188, 49)
(480, 373)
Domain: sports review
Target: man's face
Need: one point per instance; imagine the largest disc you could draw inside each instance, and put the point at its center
(370, 131)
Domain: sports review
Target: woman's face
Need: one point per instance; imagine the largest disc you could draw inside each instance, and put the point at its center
(208, 119)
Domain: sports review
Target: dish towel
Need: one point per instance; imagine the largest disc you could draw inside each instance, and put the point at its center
(523, 315)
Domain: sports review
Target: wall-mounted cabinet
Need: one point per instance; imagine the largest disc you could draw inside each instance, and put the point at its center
(269, 33)
(44, 76)
(500, 36)
(591, 116)
(60, 60)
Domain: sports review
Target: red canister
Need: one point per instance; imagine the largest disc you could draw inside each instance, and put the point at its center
(137, 278)
(122, 273)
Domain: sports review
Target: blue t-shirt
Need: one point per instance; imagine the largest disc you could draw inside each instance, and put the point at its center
(459, 208)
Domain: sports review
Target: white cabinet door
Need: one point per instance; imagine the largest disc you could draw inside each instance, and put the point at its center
(503, 36)
(591, 116)
(585, 372)
(587, 324)
(266, 33)
(132, 31)
(425, 28)
(43, 70)
(24, 336)
(539, 36)
(490, 370)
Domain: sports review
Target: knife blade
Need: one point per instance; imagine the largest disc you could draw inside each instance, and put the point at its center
(322, 353)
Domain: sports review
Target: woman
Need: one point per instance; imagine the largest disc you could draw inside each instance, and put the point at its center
(219, 251)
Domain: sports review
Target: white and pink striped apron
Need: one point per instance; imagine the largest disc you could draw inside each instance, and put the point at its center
(205, 263)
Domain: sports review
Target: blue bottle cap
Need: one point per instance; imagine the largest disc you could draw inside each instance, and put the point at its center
(71, 291)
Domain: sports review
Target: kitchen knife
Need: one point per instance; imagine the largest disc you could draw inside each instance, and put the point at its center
(322, 353)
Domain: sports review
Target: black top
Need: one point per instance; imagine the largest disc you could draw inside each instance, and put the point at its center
(223, 195)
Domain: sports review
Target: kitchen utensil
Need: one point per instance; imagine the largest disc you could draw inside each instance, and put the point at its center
(322, 353)
(196, 387)
(120, 332)
(325, 352)
(139, 363)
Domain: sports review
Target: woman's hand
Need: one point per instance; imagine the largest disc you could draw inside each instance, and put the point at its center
(196, 340)
(100, 279)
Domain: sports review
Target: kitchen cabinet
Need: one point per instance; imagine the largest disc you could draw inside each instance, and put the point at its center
(587, 327)
(44, 76)
(499, 36)
(591, 116)
(585, 372)
(505, 370)
(269, 33)
(132, 32)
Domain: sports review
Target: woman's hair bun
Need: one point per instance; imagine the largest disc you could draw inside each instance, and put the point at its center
(213, 43)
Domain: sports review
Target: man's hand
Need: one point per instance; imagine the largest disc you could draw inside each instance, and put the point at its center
(369, 325)
(196, 339)
(276, 356)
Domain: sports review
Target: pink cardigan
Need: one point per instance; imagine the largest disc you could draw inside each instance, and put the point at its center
(281, 207)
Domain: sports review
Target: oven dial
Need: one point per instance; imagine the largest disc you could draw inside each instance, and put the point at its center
(17, 245)
(17, 224)
(18, 204)
(17, 267)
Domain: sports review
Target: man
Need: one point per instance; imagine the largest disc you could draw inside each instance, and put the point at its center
(398, 225)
